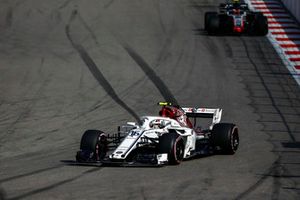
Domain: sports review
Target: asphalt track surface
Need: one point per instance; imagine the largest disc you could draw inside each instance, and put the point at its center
(67, 66)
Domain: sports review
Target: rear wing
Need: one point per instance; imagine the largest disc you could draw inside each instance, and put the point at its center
(214, 113)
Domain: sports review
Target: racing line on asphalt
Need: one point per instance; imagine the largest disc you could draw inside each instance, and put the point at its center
(95, 70)
(149, 72)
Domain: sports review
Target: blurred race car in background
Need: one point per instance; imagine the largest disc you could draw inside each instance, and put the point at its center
(158, 140)
(235, 17)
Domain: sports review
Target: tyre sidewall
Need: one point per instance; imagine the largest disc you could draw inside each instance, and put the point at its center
(93, 143)
(213, 25)
(207, 17)
(260, 24)
(168, 143)
(222, 137)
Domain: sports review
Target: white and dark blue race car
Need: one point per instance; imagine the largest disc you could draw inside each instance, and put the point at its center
(158, 140)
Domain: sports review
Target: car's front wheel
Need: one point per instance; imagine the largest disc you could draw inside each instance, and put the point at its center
(172, 144)
(93, 146)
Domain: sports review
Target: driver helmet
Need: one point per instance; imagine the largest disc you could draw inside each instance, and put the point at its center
(236, 1)
(157, 124)
(167, 112)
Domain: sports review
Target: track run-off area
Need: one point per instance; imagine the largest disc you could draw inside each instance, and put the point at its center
(67, 66)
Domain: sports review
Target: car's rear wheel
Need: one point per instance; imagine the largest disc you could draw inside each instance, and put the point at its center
(260, 24)
(93, 146)
(172, 144)
(225, 138)
(213, 24)
(207, 17)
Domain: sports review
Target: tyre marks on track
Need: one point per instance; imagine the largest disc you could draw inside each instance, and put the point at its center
(86, 26)
(98, 75)
(94, 69)
(265, 72)
(9, 18)
(55, 185)
(31, 173)
(144, 66)
(151, 74)
(157, 4)
(108, 4)
(147, 69)
(26, 111)
(260, 181)
(284, 33)
(156, 80)
(269, 93)
(2, 194)
(65, 4)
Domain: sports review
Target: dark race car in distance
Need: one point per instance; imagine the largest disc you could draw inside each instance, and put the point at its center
(235, 17)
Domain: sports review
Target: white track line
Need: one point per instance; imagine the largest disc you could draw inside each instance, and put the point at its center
(284, 33)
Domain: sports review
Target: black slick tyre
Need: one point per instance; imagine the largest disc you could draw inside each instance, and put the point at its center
(260, 24)
(207, 17)
(172, 144)
(213, 24)
(93, 146)
(225, 138)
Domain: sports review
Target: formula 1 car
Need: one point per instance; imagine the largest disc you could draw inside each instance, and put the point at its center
(235, 17)
(158, 140)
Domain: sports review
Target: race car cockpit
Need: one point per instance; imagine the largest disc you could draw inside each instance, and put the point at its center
(175, 112)
(234, 7)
